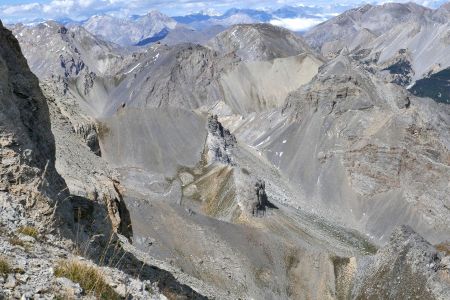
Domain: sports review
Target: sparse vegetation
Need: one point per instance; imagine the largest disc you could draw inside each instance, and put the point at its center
(15, 241)
(28, 230)
(444, 248)
(90, 278)
(4, 266)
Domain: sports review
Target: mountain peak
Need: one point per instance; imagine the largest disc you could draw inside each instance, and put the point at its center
(259, 42)
(130, 31)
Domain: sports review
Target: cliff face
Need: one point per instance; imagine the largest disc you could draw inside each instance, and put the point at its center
(27, 165)
(24, 118)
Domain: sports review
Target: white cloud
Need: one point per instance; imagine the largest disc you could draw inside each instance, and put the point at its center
(297, 24)
(59, 6)
(10, 10)
(86, 3)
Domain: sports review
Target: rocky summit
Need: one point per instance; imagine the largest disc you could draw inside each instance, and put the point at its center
(196, 157)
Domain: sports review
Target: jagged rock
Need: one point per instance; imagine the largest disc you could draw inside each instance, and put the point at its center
(70, 58)
(69, 288)
(10, 282)
(186, 178)
(262, 203)
(220, 142)
(406, 268)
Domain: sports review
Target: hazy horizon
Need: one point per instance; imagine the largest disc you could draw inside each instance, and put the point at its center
(15, 11)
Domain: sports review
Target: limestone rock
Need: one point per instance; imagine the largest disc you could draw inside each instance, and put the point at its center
(220, 142)
(404, 268)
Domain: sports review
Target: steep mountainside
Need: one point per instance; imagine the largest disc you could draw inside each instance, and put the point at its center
(411, 43)
(45, 223)
(253, 168)
(342, 27)
(358, 147)
(64, 52)
(27, 144)
(259, 42)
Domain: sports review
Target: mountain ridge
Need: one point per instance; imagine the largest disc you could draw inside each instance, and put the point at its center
(251, 166)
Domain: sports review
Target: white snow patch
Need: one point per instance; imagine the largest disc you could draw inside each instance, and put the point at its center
(134, 68)
(265, 141)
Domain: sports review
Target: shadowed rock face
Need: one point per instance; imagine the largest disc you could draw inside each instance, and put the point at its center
(263, 202)
(436, 86)
(27, 144)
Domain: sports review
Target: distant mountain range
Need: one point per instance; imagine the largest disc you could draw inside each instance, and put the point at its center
(155, 26)
(290, 16)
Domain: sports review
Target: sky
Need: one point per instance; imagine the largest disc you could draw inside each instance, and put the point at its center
(13, 11)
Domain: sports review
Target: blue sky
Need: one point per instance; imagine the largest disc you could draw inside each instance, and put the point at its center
(12, 11)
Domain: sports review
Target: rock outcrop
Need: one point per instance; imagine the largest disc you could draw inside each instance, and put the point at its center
(220, 142)
(262, 203)
(27, 167)
(408, 267)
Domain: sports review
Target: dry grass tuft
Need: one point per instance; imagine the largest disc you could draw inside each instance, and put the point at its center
(4, 266)
(90, 279)
(28, 230)
(15, 241)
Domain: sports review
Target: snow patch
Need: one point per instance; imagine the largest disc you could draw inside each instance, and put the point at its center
(134, 68)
